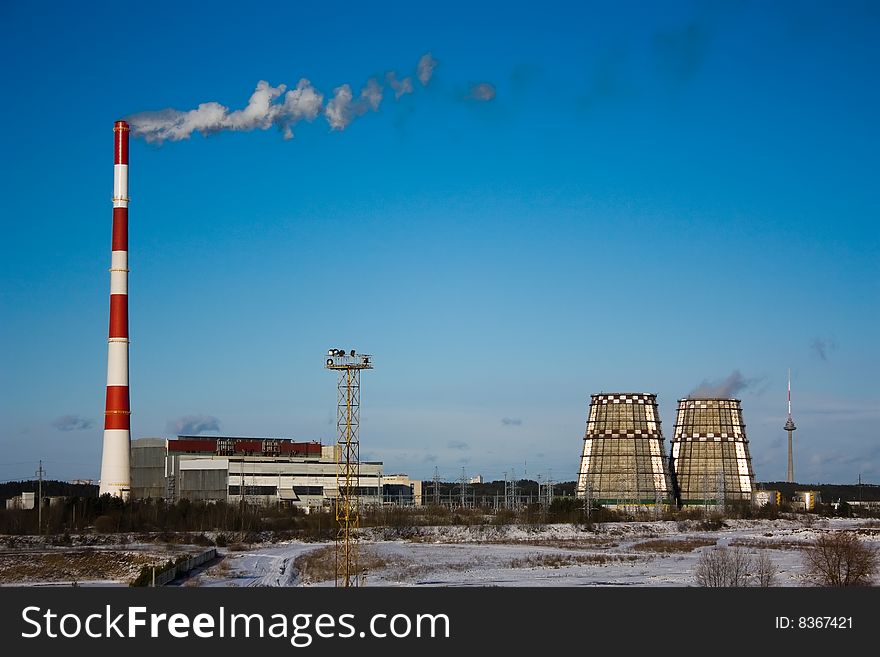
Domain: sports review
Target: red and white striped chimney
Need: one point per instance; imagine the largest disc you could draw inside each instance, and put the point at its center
(115, 470)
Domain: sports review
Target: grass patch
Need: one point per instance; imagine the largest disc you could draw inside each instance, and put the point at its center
(757, 543)
(320, 565)
(669, 546)
(78, 565)
(566, 544)
(564, 560)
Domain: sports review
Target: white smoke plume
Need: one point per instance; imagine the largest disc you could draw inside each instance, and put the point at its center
(400, 87)
(426, 67)
(303, 102)
(372, 95)
(276, 107)
(342, 109)
(483, 91)
(339, 112)
(261, 112)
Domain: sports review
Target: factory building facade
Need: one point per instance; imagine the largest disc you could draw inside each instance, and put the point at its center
(623, 461)
(710, 458)
(400, 490)
(249, 470)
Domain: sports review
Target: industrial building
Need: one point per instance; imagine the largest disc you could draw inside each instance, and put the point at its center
(762, 498)
(250, 470)
(710, 458)
(806, 500)
(399, 489)
(623, 462)
(25, 501)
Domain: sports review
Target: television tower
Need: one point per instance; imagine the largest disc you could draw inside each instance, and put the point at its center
(789, 426)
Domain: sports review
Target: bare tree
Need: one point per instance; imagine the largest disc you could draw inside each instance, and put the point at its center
(841, 559)
(711, 568)
(765, 571)
(723, 567)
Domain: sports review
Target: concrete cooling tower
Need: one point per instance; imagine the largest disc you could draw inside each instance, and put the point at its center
(623, 463)
(710, 453)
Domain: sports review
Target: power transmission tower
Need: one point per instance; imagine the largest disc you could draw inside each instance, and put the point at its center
(705, 493)
(513, 500)
(348, 403)
(588, 499)
(720, 493)
(436, 486)
(638, 483)
(40, 472)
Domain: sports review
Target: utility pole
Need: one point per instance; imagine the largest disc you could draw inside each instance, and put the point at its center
(436, 486)
(463, 490)
(40, 472)
(241, 493)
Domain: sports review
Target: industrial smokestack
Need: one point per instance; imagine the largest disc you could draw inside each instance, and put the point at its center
(115, 471)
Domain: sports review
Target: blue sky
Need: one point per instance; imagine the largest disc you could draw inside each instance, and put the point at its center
(656, 196)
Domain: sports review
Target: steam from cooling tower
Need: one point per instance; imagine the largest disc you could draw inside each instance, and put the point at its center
(278, 107)
(193, 425)
(724, 389)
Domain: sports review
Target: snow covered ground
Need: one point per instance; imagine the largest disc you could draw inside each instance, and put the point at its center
(551, 555)
(264, 566)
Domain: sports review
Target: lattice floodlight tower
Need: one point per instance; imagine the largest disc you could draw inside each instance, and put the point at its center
(623, 463)
(348, 403)
(710, 453)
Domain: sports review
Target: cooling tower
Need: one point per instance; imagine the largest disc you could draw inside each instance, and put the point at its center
(710, 453)
(623, 463)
